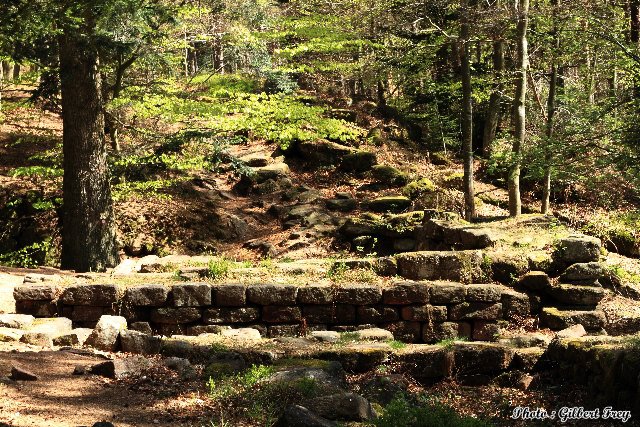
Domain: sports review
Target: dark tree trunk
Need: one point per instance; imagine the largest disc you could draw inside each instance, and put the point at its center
(88, 226)
(515, 204)
(6, 69)
(493, 110)
(467, 115)
(16, 71)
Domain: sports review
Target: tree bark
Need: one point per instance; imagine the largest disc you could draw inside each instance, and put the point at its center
(6, 69)
(467, 115)
(493, 110)
(88, 225)
(515, 203)
(16, 71)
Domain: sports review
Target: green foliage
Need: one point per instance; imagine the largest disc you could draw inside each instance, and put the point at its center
(415, 189)
(448, 343)
(254, 374)
(219, 268)
(402, 413)
(396, 345)
(30, 256)
(281, 118)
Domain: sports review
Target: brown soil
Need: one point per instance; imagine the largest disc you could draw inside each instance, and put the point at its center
(60, 399)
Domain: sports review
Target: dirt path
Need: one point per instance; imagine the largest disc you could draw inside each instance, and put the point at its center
(60, 398)
(7, 282)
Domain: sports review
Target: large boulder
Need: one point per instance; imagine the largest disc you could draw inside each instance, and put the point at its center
(389, 204)
(322, 152)
(358, 161)
(139, 342)
(105, 335)
(388, 175)
(586, 273)
(299, 416)
(343, 407)
(576, 294)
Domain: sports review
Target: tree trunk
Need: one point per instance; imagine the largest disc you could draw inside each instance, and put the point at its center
(16, 71)
(6, 69)
(467, 114)
(515, 204)
(493, 110)
(88, 226)
(551, 111)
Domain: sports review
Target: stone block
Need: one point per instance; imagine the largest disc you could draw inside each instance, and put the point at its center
(229, 295)
(484, 293)
(191, 295)
(377, 314)
(405, 331)
(424, 313)
(576, 294)
(342, 314)
(461, 266)
(475, 311)
(315, 294)
(272, 294)
(281, 314)
(358, 295)
(231, 315)
(106, 333)
(147, 295)
(94, 295)
(577, 249)
(447, 293)
(406, 293)
(557, 319)
(36, 292)
(175, 316)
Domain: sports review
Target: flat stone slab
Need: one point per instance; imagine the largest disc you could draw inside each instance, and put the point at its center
(576, 294)
(53, 325)
(556, 318)
(17, 321)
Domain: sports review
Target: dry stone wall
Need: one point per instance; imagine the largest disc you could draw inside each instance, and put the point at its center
(415, 311)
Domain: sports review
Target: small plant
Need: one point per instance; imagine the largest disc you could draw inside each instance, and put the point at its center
(396, 345)
(252, 376)
(218, 268)
(448, 343)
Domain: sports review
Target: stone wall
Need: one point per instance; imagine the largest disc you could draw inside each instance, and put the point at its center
(413, 311)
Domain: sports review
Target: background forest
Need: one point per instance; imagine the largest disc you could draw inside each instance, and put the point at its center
(541, 96)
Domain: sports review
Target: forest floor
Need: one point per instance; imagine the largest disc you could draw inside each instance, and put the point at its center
(159, 396)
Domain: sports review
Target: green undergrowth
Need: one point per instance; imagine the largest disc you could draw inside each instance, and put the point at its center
(236, 105)
(422, 412)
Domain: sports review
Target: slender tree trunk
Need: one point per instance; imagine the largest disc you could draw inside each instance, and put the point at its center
(551, 111)
(493, 110)
(16, 71)
(634, 37)
(515, 203)
(88, 226)
(6, 69)
(467, 114)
